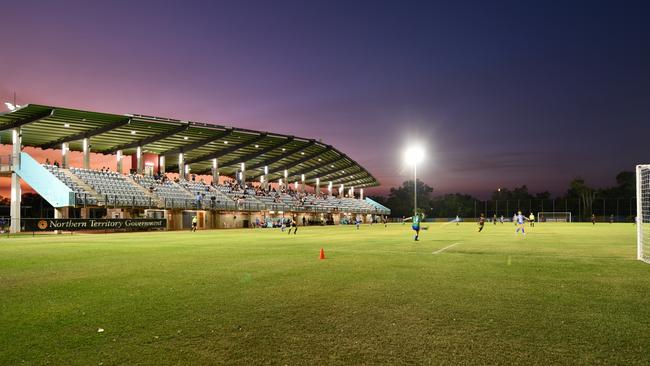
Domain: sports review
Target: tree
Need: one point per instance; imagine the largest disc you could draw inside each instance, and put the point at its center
(578, 188)
(400, 199)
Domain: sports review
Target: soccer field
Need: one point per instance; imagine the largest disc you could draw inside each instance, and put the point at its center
(564, 294)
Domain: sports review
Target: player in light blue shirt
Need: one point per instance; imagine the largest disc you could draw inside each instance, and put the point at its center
(520, 220)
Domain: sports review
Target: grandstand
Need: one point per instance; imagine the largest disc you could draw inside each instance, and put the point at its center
(226, 176)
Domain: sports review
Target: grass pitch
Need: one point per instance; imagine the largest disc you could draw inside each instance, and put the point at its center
(564, 294)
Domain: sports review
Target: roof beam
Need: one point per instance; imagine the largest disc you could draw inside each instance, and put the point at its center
(323, 175)
(252, 155)
(195, 145)
(86, 134)
(224, 152)
(284, 155)
(28, 119)
(312, 168)
(300, 161)
(148, 140)
(256, 154)
(351, 179)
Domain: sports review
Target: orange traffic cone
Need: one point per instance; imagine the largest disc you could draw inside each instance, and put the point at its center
(322, 254)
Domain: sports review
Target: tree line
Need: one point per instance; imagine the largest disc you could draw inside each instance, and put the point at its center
(581, 199)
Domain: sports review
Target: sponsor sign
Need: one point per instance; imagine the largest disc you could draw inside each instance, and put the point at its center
(92, 224)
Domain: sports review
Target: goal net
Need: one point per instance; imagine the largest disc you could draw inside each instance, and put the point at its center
(643, 212)
(554, 216)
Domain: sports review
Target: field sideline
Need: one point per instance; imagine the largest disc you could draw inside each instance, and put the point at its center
(565, 294)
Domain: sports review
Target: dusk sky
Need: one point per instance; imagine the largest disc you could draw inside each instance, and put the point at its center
(501, 93)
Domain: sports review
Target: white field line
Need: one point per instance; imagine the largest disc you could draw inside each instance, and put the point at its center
(445, 248)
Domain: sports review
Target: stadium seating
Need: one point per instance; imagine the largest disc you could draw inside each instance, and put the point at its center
(119, 191)
(171, 194)
(82, 197)
(114, 187)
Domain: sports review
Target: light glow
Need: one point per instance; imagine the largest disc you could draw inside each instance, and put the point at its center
(414, 154)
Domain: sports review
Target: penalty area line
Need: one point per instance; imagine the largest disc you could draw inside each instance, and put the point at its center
(445, 248)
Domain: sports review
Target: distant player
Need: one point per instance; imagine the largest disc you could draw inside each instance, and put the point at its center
(481, 223)
(457, 220)
(357, 222)
(514, 219)
(293, 224)
(494, 219)
(195, 222)
(283, 224)
(531, 218)
(501, 219)
(519, 221)
(593, 219)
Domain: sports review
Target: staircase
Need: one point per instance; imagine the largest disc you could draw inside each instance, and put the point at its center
(157, 201)
(85, 186)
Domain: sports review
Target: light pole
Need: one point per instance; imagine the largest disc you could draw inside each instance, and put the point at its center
(414, 155)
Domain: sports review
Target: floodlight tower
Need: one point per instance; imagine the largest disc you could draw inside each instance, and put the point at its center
(414, 155)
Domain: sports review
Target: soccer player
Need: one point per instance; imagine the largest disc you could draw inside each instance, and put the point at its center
(531, 218)
(357, 221)
(494, 219)
(593, 219)
(385, 220)
(519, 221)
(501, 219)
(195, 222)
(481, 223)
(416, 226)
(457, 220)
(514, 219)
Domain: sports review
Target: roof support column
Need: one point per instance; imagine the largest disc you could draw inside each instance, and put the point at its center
(329, 188)
(317, 187)
(302, 183)
(119, 158)
(86, 150)
(351, 194)
(341, 191)
(243, 175)
(361, 193)
(181, 166)
(64, 155)
(161, 164)
(286, 179)
(138, 160)
(15, 181)
(215, 171)
(265, 181)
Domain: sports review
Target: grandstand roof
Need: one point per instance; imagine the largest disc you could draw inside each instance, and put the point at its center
(48, 127)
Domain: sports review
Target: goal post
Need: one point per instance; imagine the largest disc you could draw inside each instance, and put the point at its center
(642, 218)
(563, 216)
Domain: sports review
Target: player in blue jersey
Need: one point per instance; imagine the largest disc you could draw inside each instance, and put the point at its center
(416, 225)
(519, 221)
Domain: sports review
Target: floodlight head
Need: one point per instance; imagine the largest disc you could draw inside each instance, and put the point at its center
(414, 154)
(10, 106)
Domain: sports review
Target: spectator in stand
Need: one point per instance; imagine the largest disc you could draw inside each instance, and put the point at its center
(56, 163)
(47, 161)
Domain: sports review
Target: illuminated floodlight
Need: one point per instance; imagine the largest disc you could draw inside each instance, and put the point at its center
(414, 154)
(10, 106)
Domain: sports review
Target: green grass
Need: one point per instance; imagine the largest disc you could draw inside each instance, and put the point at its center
(565, 294)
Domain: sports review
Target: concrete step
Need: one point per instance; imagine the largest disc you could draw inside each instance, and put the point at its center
(85, 186)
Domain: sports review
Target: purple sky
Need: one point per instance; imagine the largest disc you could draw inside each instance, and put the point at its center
(501, 93)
